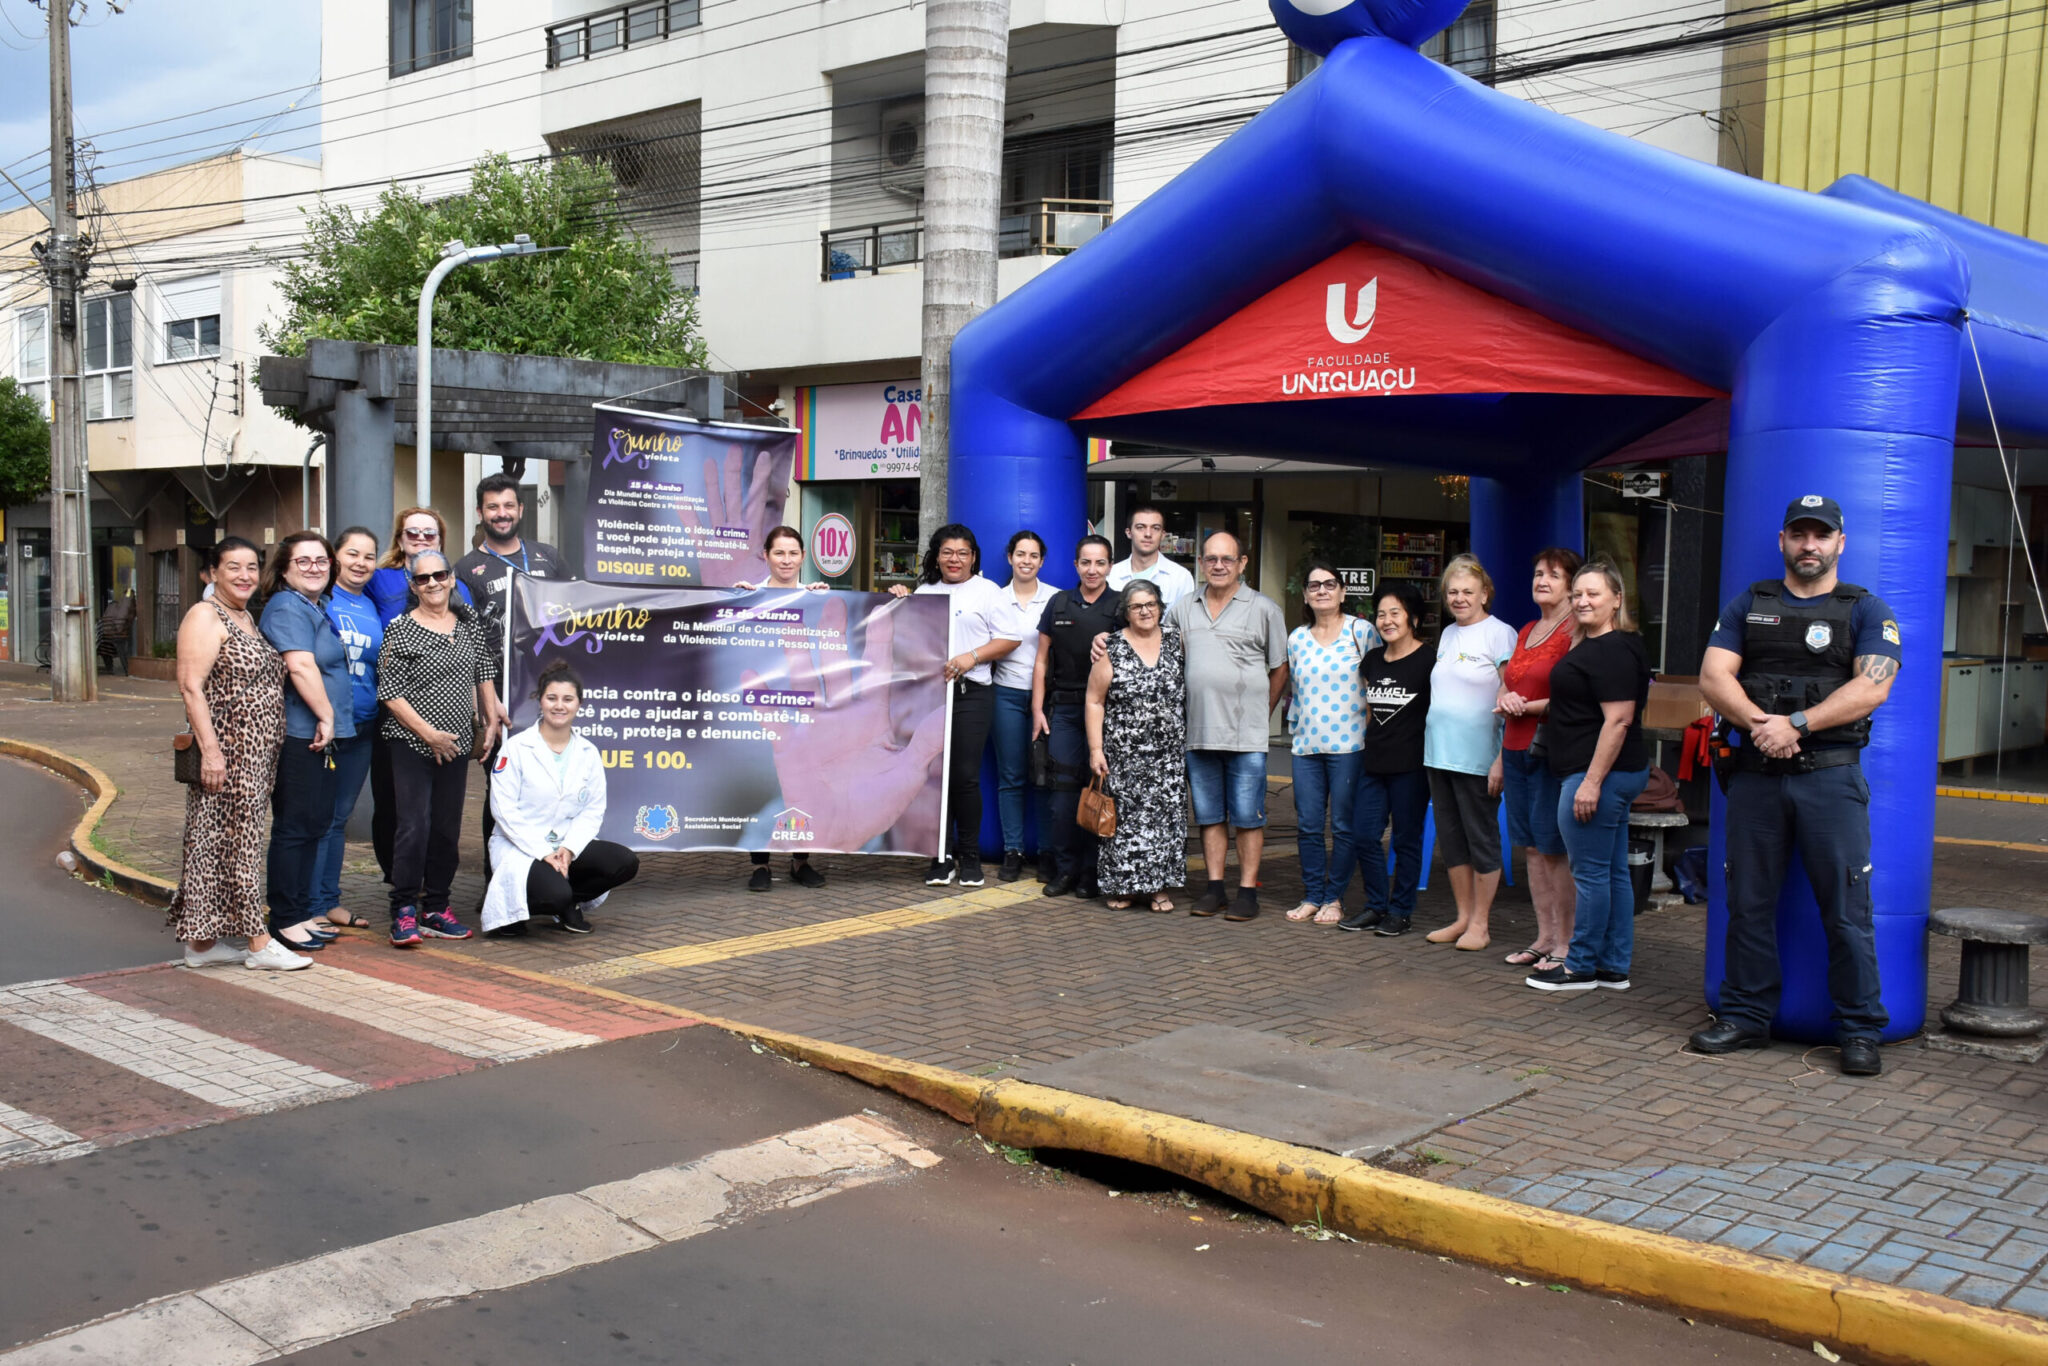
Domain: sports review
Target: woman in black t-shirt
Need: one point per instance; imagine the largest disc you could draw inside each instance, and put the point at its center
(1391, 781)
(1594, 735)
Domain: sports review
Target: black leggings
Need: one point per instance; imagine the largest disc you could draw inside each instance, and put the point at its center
(974, 710)
(601, 866)
(427, 801)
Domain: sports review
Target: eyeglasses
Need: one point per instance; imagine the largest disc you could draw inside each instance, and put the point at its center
(1219, 559)
(1321, 585)
(433, 576)
(417, 534)
(956, 554)
(1142, 607)
(310, 564)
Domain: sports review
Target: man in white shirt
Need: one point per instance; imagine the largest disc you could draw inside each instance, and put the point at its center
(1147, 530)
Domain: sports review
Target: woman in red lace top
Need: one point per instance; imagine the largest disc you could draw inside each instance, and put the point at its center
(1528, 788)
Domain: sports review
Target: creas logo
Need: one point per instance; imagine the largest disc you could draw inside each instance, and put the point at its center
(1361, 318)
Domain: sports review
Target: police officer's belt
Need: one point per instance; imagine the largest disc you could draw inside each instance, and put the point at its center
(1750, 759)
(1066, 697)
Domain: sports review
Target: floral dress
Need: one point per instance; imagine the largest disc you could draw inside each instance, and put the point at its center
(1144, 738)
(220, 881)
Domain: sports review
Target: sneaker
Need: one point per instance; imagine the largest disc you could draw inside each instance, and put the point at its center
(1392, 927)
(758, 880)
(572, 920)
(1561, 979)
(804, 875)
(1210, 901)
(939, 874)
(275, 957)
(1013, 866)
(1364, 918)
(221, 952)
(443, 925)
(970, 873)
(1613, 981)
(1245, 906)
(405, 929)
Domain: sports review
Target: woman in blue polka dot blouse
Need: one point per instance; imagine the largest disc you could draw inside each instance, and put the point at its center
(1328, 721)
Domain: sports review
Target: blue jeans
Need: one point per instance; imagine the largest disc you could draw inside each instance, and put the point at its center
(1012, 733)
(351, 766)
(1403, 798)
(1604, 935)
(1325, 783)
(1228, 784)
(1529, 795)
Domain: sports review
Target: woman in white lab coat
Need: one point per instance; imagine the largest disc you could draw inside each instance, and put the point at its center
(547, 796)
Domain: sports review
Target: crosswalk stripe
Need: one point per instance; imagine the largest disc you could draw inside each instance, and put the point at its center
(208, 1066)
(289, 1308)
(460, 1027)
(27, 1137)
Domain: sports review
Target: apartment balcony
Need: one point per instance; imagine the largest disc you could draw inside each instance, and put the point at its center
(609, 31)
(1041, 227)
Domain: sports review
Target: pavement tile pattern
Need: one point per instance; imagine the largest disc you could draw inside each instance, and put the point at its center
(1931, 1176)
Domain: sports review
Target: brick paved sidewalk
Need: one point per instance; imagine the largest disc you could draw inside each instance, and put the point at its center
(1933, 1176)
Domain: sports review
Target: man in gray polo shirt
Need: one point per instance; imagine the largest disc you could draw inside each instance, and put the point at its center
(1236, 645)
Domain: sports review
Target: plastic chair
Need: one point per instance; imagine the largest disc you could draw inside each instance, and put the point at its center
(1507, 855)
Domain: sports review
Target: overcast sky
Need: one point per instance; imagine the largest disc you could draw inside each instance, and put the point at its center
(142, 75)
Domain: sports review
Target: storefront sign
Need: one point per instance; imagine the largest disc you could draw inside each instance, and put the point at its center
(860, 431)
(833, 545)
(682, 504)
(783, 720)
(1642, 484)
(1358, 583)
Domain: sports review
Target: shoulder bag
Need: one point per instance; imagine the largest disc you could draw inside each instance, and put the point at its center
(1097, 813)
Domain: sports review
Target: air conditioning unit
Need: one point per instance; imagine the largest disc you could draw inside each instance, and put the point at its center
(902, 147)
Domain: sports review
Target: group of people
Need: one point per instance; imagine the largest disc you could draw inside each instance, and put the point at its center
(382, 668)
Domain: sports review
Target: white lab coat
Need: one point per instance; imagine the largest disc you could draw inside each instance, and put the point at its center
(538, 807)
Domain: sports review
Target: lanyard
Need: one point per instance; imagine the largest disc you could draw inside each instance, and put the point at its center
(506, 560)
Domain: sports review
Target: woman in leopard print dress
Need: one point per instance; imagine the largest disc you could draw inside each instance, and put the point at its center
(233, 686)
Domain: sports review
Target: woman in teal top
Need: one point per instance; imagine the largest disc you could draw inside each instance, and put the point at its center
(1460, 743)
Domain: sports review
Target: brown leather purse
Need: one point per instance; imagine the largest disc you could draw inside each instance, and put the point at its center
(1097, 813)
(185, 758)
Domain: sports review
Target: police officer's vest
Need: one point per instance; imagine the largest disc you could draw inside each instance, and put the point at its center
(1792, 657)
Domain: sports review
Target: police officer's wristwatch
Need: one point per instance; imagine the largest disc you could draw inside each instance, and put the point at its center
(1798, 720)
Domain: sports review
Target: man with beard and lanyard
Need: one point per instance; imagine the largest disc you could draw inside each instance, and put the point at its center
(1798, 667)
(482, 570)
(1059, 689)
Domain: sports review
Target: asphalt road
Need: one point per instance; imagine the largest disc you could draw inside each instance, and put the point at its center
(972, 1259)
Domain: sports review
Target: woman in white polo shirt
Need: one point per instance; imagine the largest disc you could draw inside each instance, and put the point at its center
(983, 631)
(1025, 597)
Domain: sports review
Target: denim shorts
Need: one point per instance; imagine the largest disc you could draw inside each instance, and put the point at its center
(1530, 791)
(1227, 783)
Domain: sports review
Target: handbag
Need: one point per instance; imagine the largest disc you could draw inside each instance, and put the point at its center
(1539, 745)
(1097, 813)
(185, 758)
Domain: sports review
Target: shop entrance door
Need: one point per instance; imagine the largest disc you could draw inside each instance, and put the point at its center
(32, 601)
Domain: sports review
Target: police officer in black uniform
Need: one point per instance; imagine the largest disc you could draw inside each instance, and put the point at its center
(1796, 667)
(1068, 627)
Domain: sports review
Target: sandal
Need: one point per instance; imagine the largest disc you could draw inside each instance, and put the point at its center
(1303, 911)
(1546, 963)
(1118, 903)
(1161, 903)
(349, 919)
(1330, 913)
(1525, 958)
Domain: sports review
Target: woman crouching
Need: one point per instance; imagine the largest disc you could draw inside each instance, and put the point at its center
(547, 795)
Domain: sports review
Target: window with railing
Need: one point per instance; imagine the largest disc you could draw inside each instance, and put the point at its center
(1040, 227)
(427, 33)
(616, 29)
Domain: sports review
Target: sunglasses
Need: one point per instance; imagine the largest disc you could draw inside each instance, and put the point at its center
(433, 576)
(1321, 585)
(418, 534)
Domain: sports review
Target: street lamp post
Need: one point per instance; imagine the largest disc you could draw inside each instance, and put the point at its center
(452, 255)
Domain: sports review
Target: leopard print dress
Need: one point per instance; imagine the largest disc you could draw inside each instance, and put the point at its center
(220, 883)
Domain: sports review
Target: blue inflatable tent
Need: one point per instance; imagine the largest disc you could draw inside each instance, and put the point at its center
(1396, 264)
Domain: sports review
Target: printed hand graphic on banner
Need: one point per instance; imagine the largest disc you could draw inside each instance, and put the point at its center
(849, 778)
(731, 499)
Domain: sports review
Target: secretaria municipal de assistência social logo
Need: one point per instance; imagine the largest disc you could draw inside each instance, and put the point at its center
(656, 822)
(792, 824)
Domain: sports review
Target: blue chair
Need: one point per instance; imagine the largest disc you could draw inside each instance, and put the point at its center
(1507, 854)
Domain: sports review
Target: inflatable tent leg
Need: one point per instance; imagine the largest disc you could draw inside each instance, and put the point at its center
(1513, 520)
(1862, 413)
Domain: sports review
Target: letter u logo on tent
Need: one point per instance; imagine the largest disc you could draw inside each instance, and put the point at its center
(1361, 321)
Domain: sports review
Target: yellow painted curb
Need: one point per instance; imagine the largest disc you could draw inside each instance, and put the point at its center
(1986, 794)
(133, 881)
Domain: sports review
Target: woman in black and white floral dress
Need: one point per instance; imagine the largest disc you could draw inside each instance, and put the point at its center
(1137, 734)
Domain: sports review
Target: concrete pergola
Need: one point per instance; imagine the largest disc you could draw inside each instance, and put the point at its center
(362, 397)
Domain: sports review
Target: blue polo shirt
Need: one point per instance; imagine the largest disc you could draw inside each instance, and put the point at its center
(362, 636)
(292, 623)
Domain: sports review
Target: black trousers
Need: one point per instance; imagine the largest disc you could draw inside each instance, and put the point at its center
(601, 866)
(1074, 850)
(1825, 815)
(759, 858)
(383, 802)
(427, 803)
(301, 813)
(974, 711)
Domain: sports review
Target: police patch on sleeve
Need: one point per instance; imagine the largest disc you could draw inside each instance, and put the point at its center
(1819, 636)
(1891, 633)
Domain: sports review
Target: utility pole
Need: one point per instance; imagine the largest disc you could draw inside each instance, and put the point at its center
(966, 66)
(72, 661)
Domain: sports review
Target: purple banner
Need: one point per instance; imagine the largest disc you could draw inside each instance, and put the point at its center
(782, 720)
(676, 503)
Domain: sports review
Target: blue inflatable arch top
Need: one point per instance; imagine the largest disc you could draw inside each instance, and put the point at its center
(1834, 322)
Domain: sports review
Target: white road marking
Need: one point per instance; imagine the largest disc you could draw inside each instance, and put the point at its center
(31, 1138)
(216, 1069)
(472, 1031)
(258, 1317)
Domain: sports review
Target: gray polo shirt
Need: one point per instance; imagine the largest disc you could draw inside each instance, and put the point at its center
(1230, 658)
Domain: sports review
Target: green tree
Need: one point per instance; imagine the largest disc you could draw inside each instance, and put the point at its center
(608, 297)
(24, 447)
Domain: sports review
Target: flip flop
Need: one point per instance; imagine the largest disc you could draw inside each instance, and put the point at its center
(1303, 911)
(1118, 903)
(1161, 903)
(1523, 958)
(1330, 913)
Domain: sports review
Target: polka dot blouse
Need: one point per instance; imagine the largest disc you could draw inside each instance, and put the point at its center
(1328, 716)
(438, 675)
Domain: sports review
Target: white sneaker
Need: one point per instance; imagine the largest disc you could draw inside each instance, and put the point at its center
(221, 952)
(277, 958)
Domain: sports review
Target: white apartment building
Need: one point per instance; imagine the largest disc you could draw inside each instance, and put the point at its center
(180, 445)
(774, 150)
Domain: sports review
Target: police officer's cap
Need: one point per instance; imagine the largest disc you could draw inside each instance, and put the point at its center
(1813, 507)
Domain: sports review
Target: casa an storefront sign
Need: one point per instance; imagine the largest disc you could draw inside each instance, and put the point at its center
(860, 431)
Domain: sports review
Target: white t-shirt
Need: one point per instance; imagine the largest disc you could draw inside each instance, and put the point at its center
(1013, 670)
(979, 617)
(1463, 733)
(1174, 582)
